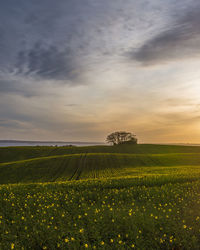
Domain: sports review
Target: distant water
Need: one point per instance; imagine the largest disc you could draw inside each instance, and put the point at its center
(10, 143)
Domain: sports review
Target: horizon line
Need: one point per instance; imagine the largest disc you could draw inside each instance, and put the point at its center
(100, 142)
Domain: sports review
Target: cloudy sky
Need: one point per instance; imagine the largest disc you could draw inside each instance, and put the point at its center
(76, 70)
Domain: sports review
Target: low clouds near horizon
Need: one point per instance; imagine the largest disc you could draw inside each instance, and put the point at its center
(78, 70)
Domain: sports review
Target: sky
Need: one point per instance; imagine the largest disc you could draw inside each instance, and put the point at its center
(77, 70)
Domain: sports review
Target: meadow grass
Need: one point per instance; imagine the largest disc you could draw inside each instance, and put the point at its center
(101, 201)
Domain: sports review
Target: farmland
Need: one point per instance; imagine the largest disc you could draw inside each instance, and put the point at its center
(127, 197)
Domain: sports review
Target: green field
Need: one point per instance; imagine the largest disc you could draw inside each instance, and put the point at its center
(100, 197)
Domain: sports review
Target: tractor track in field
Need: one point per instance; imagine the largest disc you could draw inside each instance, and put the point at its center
(72, 177)
(82, 165)
(79, 169)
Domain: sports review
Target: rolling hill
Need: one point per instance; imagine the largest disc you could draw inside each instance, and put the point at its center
(50, 164)
(8, 154)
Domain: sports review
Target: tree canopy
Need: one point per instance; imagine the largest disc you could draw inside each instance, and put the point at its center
(121, 137)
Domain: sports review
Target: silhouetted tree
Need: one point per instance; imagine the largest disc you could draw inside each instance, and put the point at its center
(121, 137)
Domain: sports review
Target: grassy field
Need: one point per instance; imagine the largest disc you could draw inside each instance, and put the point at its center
(96, 165)
(8, 154)
(128, 197)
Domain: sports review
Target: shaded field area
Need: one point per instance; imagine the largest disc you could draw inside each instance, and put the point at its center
(128, 197)
(8, 154)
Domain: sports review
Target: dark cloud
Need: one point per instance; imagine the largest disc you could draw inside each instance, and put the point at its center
(46, 62)
(181, 39)
(40, 39)
(59, 39)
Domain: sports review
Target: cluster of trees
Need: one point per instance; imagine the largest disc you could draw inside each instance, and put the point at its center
(121, 137)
